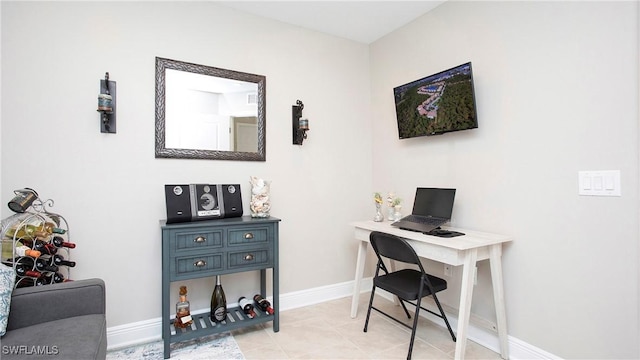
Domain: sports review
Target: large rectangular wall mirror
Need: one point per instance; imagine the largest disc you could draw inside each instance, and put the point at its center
(203, 112)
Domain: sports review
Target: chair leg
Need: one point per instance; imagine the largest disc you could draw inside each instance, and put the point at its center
(366, 323)
(415, 324)
(444, 316)
(405, 308)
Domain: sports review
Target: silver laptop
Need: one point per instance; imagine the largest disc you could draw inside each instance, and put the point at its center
(432, 207)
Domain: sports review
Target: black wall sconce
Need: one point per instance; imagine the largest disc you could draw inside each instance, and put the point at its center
(107, 105)
(299, 125)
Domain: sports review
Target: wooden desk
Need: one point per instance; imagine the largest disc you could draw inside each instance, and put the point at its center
(462, 250)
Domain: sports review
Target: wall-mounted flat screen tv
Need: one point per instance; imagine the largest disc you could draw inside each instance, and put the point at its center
(437, 104)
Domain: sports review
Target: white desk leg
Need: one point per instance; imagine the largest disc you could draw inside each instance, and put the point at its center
(362, 257)
(466, 293)
(495, 260)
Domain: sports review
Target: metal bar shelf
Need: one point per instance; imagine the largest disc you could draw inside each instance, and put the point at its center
(202, 324)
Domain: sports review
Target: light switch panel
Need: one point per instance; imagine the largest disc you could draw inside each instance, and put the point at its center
(599, 183)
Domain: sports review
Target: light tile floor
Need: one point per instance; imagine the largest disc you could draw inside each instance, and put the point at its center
(327, 331)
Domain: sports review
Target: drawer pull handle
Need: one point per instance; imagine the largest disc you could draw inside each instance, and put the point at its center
(200, 263)
(200, 239)
(248, 236)
(249, 257)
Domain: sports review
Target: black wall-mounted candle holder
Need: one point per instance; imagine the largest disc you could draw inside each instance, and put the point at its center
(299, 125)
(107, 105)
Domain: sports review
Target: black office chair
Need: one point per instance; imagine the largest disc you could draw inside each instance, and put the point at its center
(407, 284)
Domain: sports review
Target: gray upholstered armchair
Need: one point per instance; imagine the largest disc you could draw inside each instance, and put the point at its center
(61, 321)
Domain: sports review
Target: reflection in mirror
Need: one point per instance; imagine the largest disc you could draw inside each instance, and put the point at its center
(201, 112)
(208, 113)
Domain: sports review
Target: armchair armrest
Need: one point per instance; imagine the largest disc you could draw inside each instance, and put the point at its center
(39, 304)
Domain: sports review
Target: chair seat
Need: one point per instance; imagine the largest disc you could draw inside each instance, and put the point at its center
(405, 283)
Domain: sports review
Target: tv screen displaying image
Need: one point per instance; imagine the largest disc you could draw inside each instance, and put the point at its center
(437, 104)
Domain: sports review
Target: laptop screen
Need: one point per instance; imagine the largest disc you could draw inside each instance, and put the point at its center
(434, 202)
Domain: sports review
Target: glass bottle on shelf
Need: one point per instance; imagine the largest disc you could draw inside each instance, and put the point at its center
(59, 242)
(33, 244)
(23, 250)
(218, 303)
(60, 261)
(29, 281)
(246, 307)
(183, 310)
(29, 263)
(53, 278)
(23, 268)
(51, 228)
(40, 231)
(263, 304)
(25, 231)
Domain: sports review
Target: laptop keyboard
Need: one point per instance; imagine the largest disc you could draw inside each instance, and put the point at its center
(423, 220)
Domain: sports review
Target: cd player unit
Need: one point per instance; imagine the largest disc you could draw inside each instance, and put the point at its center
(202, 202)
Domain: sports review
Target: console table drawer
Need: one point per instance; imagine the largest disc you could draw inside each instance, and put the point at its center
(249, 258)
(190, 240)
(200, 265)
(248, 236)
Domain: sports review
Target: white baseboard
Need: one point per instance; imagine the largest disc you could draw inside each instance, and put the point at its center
(519, 349)
(151, 330)
(140, 332)
(297, 299)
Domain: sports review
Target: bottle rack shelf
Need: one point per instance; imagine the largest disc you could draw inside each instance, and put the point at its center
(13, 236)
(202, 324)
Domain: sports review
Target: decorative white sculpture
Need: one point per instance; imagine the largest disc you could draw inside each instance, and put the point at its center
(260, 204)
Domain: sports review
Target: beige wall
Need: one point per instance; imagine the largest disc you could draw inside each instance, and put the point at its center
(111, 188)
(557, 92)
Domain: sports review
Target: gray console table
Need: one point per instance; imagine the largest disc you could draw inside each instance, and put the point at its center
(216, 247)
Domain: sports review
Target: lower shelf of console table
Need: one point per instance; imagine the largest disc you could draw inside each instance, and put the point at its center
(203, 326)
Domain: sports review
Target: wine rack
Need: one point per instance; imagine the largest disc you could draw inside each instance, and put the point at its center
(17, 232)
(217, 247)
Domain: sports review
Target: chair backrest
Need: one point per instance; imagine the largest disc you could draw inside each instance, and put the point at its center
(393, 247)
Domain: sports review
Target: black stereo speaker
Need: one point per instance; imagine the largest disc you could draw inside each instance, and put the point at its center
(232, 200)
(178, 203)
(202, 202)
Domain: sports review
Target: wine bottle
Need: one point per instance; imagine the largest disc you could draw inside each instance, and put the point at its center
(218, 303)
(59, 242)
(183, 310)
(39, 264)
(51, 228)
(247, 307)
(60, 261)
(53, 278)
(34, 244)
(26, 231)
(24, 250)
(29, 281)
(23, 268)
(43, 265)
(34, 231)
(263, 304)
(49, 249)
